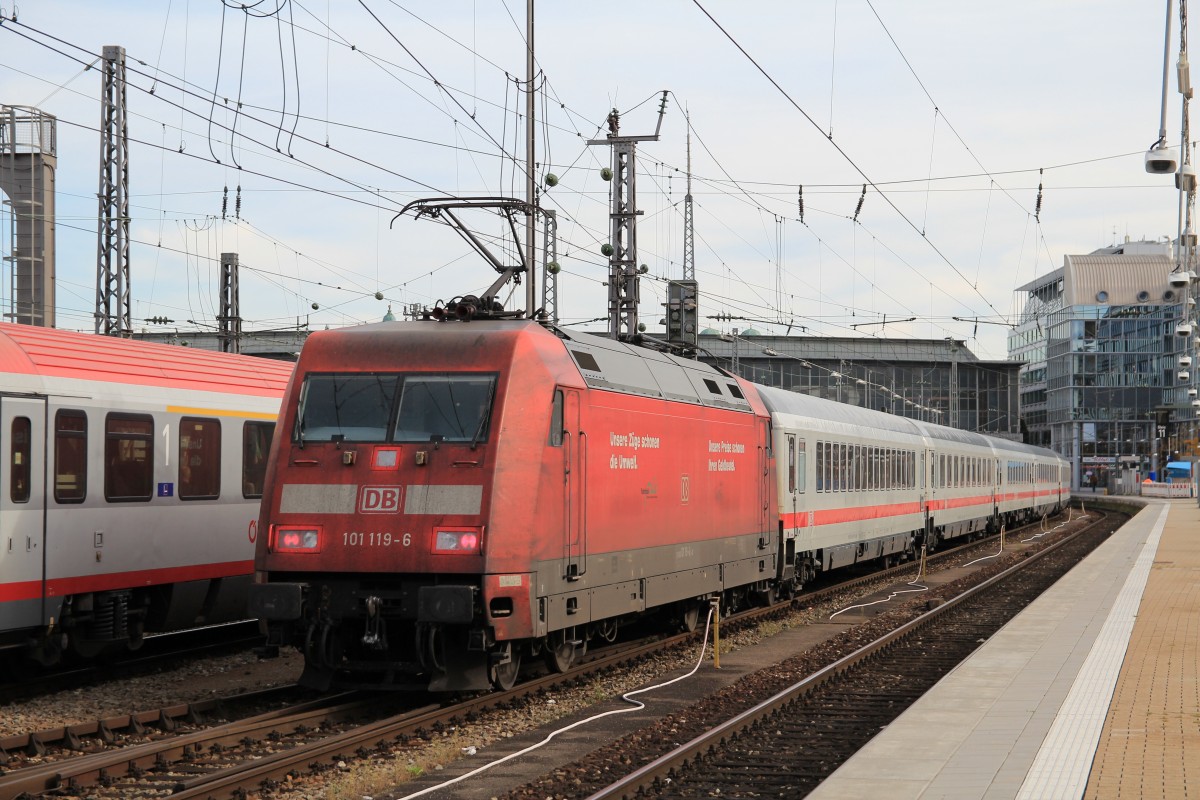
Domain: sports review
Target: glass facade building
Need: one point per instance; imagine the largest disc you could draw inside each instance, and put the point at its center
(1106, 381)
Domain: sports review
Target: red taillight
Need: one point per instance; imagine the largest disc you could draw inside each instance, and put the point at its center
(296, 539)
(459, 541)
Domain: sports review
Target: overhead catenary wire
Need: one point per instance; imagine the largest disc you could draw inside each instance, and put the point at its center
(842, 152)
(582, 198)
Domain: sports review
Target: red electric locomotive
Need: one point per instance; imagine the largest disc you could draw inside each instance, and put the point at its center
(444, 499)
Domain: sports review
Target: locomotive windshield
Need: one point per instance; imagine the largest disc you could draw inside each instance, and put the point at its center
(450, 408)
(353, 407)
(376, 407)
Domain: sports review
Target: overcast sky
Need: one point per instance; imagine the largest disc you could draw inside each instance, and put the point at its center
(949, 109)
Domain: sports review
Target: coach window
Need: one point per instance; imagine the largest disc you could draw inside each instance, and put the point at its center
(256, 446)
(128, 458)
(199, 459)
(556, 419)
(70, 456)
(830, 471)
(841, 467)
(822, 460)
(18, 466)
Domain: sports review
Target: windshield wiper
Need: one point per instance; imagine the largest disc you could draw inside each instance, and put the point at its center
(485, 416)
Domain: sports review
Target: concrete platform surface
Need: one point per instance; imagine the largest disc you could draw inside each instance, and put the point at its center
(1090, 691)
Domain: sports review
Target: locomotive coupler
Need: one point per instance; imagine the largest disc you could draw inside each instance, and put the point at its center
(375, 635)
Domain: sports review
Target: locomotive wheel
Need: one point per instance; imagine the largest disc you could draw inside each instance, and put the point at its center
(690, 618)
(560, 652)
(87, 649)
(504, 676)
(137, 636)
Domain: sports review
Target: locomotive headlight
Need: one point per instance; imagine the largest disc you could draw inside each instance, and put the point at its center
(464, 541)
(296, 539)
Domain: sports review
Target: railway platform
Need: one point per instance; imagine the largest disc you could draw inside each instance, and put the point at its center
(1090, 692)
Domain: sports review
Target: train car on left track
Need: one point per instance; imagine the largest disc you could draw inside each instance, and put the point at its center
(130, 480)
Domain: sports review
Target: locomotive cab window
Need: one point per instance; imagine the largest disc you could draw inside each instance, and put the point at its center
(256, 445)
(445, 408)
(556, 419)
(128, 458)
(199, 459)
(70, 456)
(353, 408)
(18, 460)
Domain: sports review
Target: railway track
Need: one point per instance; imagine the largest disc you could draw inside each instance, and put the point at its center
(20, 680)
(270, 749)
(788, 742)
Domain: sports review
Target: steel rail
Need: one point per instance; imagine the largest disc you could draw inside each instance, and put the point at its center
(89, 768)
(132, 760)
(661, 768)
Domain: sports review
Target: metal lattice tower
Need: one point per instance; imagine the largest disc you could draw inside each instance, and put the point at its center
(623, 292)
(112, 247)
(229, 322)
(28, 162)
(550, 267)
(689, 232)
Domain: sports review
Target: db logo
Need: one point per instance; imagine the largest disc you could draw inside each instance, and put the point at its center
(379, 500)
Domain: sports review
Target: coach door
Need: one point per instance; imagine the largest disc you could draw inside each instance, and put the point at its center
(928, 482)
(764, 482)
(22, 510)
(574, 476)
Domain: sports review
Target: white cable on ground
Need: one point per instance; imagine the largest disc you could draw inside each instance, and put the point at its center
(1048, 530)
(637, 706)
(898, 592)
(998, 553)
(893, 595)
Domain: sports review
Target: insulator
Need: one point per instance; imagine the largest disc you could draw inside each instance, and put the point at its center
(861, 198)
(237, 207)
(800, 201)
(1037, 209)
(224, 202)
